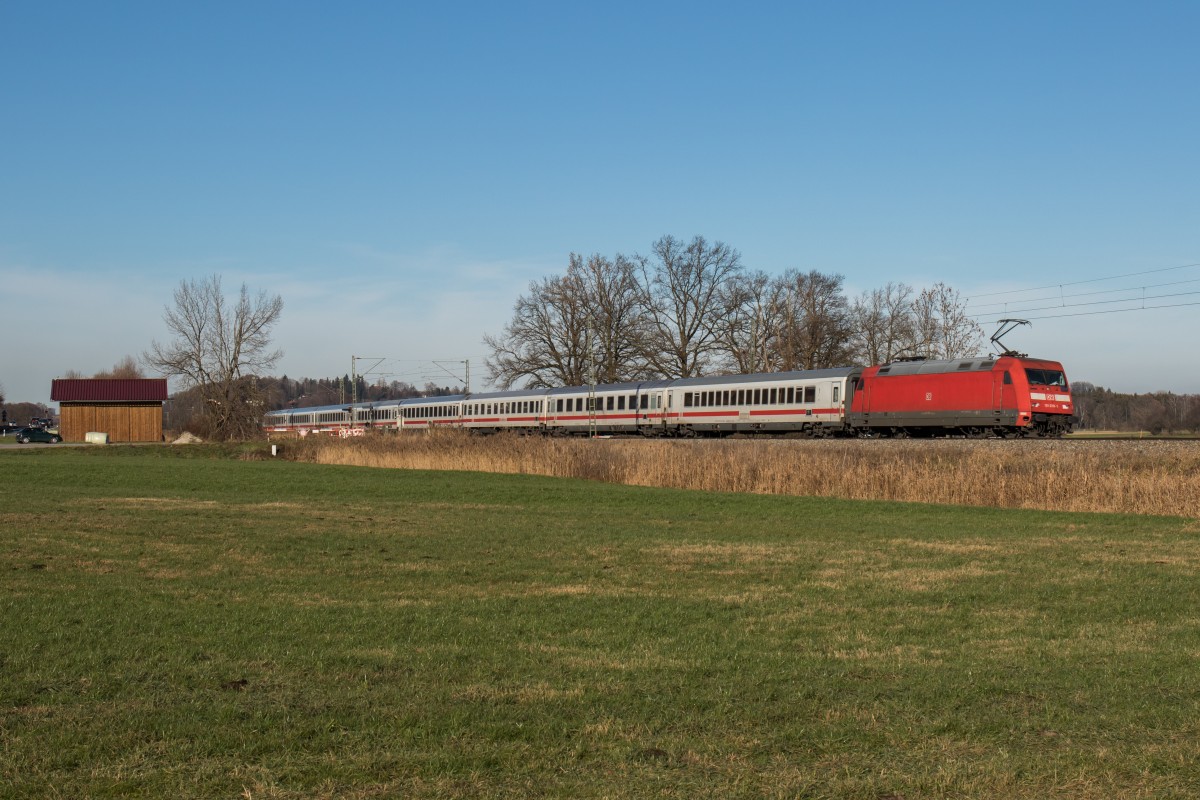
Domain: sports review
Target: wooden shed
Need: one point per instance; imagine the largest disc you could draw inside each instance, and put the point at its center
(127, 409)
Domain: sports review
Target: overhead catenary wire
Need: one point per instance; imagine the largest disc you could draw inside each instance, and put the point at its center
(1086, 280)
(1137, 300)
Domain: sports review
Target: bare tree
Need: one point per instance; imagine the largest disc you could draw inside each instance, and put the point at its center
(941, 326)
(687, 304)
(755, 323)
(545, 342)
(615, 316)
(572, 329)
(218, 347)
(816, 321)
(126, 368)
(882, 324)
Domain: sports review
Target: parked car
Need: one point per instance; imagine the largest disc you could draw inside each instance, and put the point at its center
(27, 435)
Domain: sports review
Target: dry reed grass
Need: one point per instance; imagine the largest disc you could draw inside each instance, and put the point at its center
(1136, 477)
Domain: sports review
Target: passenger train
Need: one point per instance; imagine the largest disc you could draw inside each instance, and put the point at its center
(976, 397)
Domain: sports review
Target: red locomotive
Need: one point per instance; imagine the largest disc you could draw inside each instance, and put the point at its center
(1010, 395)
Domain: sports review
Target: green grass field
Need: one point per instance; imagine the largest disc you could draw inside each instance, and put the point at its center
(222, 627)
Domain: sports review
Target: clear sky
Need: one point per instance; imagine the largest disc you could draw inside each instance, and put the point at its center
(400, 172)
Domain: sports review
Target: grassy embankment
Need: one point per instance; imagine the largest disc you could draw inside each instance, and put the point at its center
(230, 628)
(1153, 477)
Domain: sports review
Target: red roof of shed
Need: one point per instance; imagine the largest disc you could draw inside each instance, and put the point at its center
(109, 390)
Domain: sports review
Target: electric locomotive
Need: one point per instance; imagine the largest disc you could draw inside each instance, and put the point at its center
(1011, 395)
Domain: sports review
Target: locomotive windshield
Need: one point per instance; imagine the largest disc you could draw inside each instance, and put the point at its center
(1046, 377)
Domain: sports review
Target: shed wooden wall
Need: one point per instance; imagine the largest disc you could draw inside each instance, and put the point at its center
(123, 422)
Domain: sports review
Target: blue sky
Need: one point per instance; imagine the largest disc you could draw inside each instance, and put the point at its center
(400, 172)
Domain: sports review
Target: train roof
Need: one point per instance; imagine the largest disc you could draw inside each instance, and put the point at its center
(929, 366)
(317, 409)
(626, 386)
(766, 377)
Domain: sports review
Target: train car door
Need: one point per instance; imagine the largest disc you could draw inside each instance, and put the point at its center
(649, 408)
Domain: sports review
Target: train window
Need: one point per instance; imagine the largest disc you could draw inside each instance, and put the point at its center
(837, 394)
(687, 399)
(1007, 378)
(609, 403)
(773, 395)
(725, 398)
(1046, 377)
(620, 402)
(741, 397)
(558, 405)
(810, 394)
(791, 394)
(757, 397)
(645, 401)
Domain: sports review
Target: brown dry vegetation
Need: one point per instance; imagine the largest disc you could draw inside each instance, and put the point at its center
(1137, 477)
